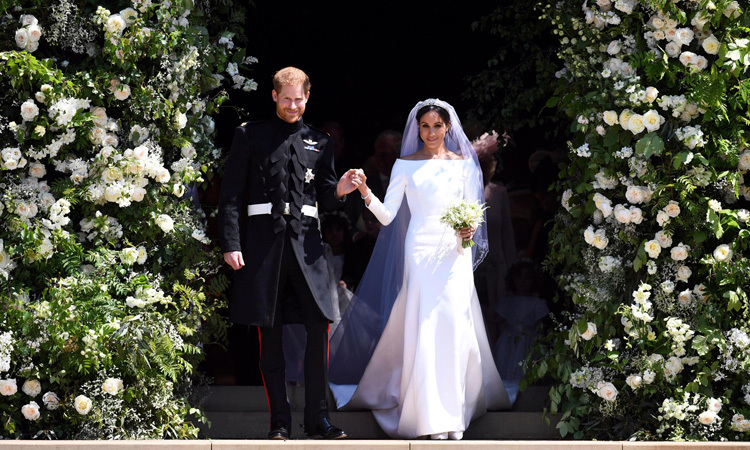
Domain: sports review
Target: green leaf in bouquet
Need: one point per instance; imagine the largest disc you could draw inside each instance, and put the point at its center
(715, 223)
(650, 144)
(734, 301)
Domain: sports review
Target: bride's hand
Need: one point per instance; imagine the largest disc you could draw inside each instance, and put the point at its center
(467, 233)
(362, 180)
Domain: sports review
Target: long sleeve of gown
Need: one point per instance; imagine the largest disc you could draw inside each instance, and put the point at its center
(386, 210)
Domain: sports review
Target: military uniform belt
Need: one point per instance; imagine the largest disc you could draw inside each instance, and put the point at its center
(265, 208)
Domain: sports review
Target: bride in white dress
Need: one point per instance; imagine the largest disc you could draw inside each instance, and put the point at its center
(431, 372)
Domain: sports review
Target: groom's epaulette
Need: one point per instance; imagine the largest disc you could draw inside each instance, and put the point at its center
(251, 123)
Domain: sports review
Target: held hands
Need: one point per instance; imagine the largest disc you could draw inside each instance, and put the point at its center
(349, 182)
(234, 259)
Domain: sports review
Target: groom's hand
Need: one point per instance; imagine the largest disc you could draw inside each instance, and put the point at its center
(349, 182)
(234, 259)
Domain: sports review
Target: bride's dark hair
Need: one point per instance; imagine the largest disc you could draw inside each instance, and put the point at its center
(439, 110)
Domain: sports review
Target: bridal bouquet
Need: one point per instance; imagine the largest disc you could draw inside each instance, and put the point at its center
(464, 214)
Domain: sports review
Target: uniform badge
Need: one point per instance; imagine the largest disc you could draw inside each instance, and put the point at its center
(309, 176)
(310, 145)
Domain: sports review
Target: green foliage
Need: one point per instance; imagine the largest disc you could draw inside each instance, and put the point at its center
(108, 283)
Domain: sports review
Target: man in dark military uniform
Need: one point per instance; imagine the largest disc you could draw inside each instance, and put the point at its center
(283, 167)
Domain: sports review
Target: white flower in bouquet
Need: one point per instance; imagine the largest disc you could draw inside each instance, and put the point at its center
(128, 256)
(711, 45)
(464, 214)
(611, 118)
(122, 92)
(653, 248)
(664, 240)
(608, 263)
(634, 381)
(649, 376)
(652, 120)
(130, 15)
(589, 333)
(638, 194)
(673, 49)
(714, 205)
(603, 204)
(662, 218)
(32, 388)
(685, 298)
(744, 161)
(636, 215)
(37, 170)
(29, 110)
(34, 33)
(732, 10)
(565, 201)
(22, 38)
(116, 24)
(651, 94)
(636, 124)
(112, 386)
(667, 286)
(683, 273)
(713, 404)
(607, 391)
(680, 252)
(605, 182)
(723, 253)
(180, 120)
(600, 240)
(165, 222)
(708, 418)
(622, 214)
(672, 367)
(82, 404)
(672, 209)
(30, 411)
(142, 254)
(162, 175)
(8, 387)
(51, 401)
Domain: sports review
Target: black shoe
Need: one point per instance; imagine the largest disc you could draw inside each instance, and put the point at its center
(325, 430)
(279, 431)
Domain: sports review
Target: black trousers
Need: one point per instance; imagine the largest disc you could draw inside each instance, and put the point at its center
(294, 288)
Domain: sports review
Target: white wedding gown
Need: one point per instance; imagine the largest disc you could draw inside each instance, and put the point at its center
(432, 370)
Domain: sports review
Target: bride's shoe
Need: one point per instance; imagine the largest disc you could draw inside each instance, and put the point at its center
(456, 435)
(439, 436)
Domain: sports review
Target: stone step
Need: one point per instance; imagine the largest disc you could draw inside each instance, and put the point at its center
(253, 399)
(361, 425)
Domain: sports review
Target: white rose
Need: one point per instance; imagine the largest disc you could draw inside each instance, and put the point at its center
(649, 376)
(180, 120)
(624, 117)
(8, 387)
(22, 38)
(610, 118)
(651, 94)
(34, 33)
(588, 235)
(122, 92)
(636, 124)
(116, 24)
(30, 411)
(607, 391)
(142, 255)
(112, 386)
(672, 367)
(714, 404)
(653, 249)
(664, 240)
(566, 199)
(130, 15)
(672, 209)
(604, 5)
(82, 404)
(600, 239)
(683, 273)
(684, 36)
(636, 215)
(673, 49)
(667, 287)
(707, 417)
(680, 252)
(701, 63)
(178, 190)
(29, 110)
(723, 253)
(744, 163)
(614, 47)
(37, 170)
(685, 297)
(138, 194)
(100, 116)
(28, 19)
(634, 381)
(711, 45)
(165, 222)
(590, 332)
(662, 218)
(128, 255)
(162, 175)
(732, 10)
(652, 120)
(688, 59)
(97, 135)
(51, 401)
(622, 214)
(32, 388)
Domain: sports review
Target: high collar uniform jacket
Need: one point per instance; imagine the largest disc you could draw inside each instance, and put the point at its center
(268, 160)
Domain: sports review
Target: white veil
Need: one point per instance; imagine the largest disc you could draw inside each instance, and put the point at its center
(355, 338)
